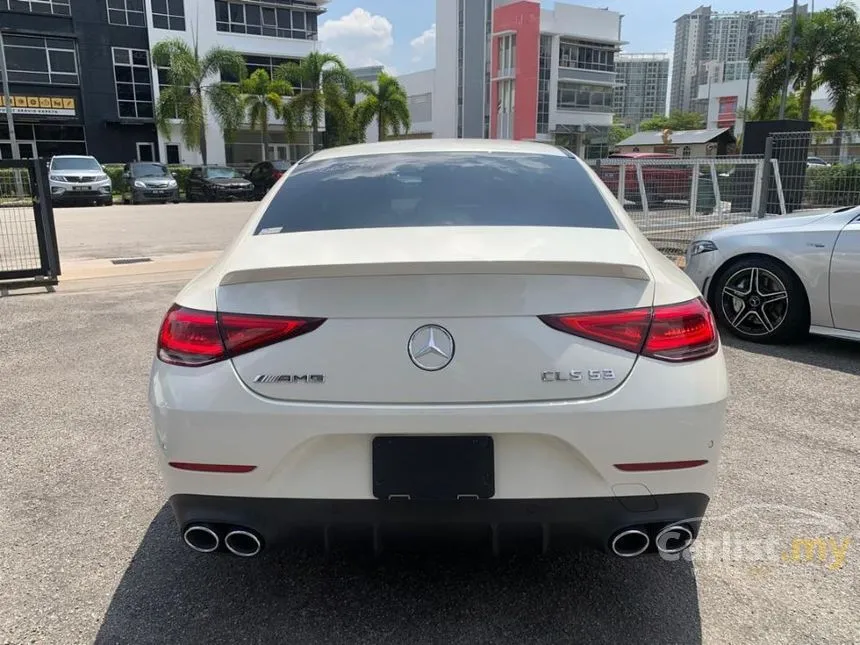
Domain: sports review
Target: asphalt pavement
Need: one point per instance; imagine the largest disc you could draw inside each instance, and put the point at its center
(90, 552)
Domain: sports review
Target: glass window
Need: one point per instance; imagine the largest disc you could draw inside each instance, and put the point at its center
(41, 60)
(126, 13)
(56, 7)
(240, 17)
(168, 14)
(438, 189)
(133, 82)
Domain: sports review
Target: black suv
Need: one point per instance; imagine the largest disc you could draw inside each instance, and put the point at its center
(148, 181)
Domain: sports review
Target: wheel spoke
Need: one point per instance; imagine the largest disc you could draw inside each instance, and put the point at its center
(735, 292)
(755, 281)
(776, 296)
(764, 321)
(741, 315)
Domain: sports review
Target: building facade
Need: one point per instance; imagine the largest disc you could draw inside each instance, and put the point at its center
(82, 80)
(641, 87)
(79, 79)
(704, 38)
(267, 35)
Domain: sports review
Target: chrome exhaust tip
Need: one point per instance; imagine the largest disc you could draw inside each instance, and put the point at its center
(201, 538)
(630, 542)
(674, 538)
(243, 543)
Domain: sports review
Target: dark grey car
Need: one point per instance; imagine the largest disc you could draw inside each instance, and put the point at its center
(147, 181)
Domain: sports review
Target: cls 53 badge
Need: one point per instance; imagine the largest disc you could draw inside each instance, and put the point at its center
(578, 376)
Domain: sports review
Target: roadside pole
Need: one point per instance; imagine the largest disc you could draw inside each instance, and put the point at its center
(7, 99)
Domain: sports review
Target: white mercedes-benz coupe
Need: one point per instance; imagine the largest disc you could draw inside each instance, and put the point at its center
(467, 334)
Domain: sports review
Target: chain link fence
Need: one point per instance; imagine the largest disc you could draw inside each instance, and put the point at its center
(674, 200)
(814, 170)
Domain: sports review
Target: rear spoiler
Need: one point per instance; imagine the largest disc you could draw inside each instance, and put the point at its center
(605, 269)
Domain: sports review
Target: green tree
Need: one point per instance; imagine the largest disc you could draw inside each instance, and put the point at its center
(617, 133)
(825, 53)
(260, 96)
(769, 111)
(194, 86)
(675, 121)
(313, 74)
(341, 118)
(388, 104)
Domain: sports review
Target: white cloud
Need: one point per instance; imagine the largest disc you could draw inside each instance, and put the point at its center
(359, 38)
(424, 46)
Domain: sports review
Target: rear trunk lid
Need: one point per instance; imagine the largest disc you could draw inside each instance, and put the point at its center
(436, 314)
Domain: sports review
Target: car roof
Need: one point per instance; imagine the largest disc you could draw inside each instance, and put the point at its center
(438, 145)
(72, 157)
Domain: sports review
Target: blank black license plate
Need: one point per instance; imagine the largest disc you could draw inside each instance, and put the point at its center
(433, 468)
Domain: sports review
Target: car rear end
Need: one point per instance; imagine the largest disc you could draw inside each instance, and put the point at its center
(463, 337)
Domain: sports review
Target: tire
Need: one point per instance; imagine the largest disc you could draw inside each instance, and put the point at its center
(761, 300)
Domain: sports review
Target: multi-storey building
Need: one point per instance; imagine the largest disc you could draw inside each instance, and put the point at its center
(82, 79)
(641, 87)
(267, 33)
(510, 69)
(79, 78)
(705, 38)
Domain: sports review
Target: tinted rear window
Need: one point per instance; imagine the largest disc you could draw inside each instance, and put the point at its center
(437, 189)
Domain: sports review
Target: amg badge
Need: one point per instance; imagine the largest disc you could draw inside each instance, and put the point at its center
(314, 379)
(578, 375)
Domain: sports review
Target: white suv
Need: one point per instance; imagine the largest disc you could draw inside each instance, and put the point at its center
(78, 180)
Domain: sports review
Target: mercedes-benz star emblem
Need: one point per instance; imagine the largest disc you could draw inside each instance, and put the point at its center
(431, 347)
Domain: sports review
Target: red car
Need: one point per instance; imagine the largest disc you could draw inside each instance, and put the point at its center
(662, 182)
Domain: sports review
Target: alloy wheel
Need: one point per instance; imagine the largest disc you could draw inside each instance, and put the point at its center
(754, 301)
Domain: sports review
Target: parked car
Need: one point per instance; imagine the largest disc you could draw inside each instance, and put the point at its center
(265, 175)
(816, 162)
(147, 181)
(442, 333)
(214, 183)
(780, 278)
(662, 183)
(78, 179)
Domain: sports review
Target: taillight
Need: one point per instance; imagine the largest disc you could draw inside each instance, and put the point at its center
(191, 338)
(679, 332)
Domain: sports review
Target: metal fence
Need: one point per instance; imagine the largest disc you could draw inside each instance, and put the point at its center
(673, 200)
(814, 170)
(28, 241)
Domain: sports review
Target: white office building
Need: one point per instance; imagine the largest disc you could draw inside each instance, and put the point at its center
(267, 34)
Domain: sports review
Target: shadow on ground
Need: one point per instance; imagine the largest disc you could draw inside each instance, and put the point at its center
(818, 351)
(170, 594)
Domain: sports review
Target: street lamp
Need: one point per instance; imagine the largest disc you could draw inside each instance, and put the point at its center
(784, 98)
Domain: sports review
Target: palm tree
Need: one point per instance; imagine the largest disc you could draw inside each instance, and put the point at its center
(259, 96)
(388, 103)
(342, 117)
(818, 57)
(193, 88)
(313, 74)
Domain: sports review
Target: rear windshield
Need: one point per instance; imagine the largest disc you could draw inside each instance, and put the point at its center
(437, 189)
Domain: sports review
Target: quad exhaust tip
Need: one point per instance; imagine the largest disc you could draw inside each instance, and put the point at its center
(630, 543)
(674, 538)
(201, 538)
(243, 543)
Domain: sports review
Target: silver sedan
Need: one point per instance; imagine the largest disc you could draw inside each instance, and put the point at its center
(777, 279)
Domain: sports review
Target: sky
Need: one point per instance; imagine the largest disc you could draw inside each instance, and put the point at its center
(401, 35)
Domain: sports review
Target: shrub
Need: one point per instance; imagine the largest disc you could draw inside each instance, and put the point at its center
(837, 185)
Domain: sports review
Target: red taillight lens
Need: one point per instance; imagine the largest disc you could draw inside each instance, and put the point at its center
(624, 329)
(675, 333)
(191, 338)
(682, 332)
(277, 174)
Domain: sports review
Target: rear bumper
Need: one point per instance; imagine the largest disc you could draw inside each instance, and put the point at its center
(554, 522)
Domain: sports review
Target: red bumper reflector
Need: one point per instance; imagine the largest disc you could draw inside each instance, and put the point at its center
(211, 468)
(660, 465)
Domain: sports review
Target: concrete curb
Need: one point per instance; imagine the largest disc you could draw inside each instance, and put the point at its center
(75, 270)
